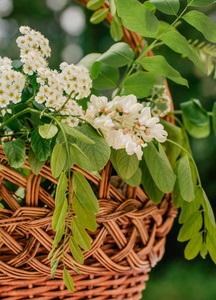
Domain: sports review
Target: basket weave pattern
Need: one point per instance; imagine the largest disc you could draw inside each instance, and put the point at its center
(129, 240)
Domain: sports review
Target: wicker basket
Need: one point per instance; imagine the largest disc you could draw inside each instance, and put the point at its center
(129, 241)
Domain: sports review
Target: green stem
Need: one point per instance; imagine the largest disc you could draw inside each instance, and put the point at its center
(191, 157)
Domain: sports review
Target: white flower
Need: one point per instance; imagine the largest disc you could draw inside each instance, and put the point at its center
(145, 115)
(99, 103)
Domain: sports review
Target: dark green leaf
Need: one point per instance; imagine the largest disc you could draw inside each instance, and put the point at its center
(85, 193)
(200, 2)
(177, 198)
(14, 124)
(15, 152)
(214, 118)
(140, 84)
(135, 179)
(40, 146)
(108, 78)
(193, 247)
(145, 23)
(85, 216)
(193, 111)
(35, 164)
(68, 280)
(169, 7)
(158, 65)
(47, 131)
(61, 190)
(80, 235)
(58, 219)
(159, 168)
(76, 251)
(99, 15)
(179, 44)
(58, 160)
(191, 227)
(94, 4)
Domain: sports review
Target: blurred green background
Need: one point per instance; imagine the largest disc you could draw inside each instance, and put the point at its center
(66, 25)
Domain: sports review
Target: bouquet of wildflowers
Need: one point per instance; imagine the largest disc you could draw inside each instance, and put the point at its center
(62, 116)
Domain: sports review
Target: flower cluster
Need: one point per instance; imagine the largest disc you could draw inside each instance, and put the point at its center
(11, 83)
(125, 123)
(34, 49)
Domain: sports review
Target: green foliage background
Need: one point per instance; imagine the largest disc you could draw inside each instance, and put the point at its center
(173, 278)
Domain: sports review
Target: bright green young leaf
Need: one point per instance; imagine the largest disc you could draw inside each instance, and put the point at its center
(116, 30)
(193, 246)
(75, 267)
(58, 160)
(47, 131)
(112, 7)
(211, 245)
(61, 190)
(145, 23)
(185, 179)
(99, 152)
(88, 60)
(94, 4)
(35, 164)
(187, 208)
(68, 280)
(58, 219)
(207, 207)
(177, 198)
(202, 23)
(77, 134)
(214, 118)
(158, 65)
(140, 84)
(80, 235)
(40, 146)
(193, 111)
(179, 44)
(169, 7)
(95, 69)
(149, 185)
(200, 2)
(99, 15)
(58, 236)
(85, 193)
(126, 165)
(159, 168)
(108, 78)
(76, 251)
(15, 152)
(85, 216)
(54, 257)
(195, 131)
(203, 250)
(191, 227)
(118, 55)
(149, 5)
(54, 268)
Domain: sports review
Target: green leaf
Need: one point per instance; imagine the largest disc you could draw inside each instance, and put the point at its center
(126, 165)
(80, 235)
(99, 15)
(75, 268)
(58, 160)
(214, 118)
(112, 7)
(190, 207)
(40, 146)
(16, 64)
(211, 245)
(207, 206)
(185, 179)
(193, 112)
(15, 152)
(195, 131)
(159, 168)
(77, 134)
(169, 7)
(135, 179)
(76, 251)
(108, 78)
(177, 198)
(88, 60)
(158, 65)
(81, 160)
(191, 227)
(61, 190)
(58, 219)
(94, 4)
(193, 247)
(179, 44)
(203, 250)
(35, 164)
(68, 280)
(85, 216)
(202, 23)
(149, 5)
(54, 257)
(54, 268)
(200, 2)
(149, 185)
(47, 131)
(145, 23)
(118, 55)
(85, 193)
(95, 69)
(58, 236)
(99, 152)
(14, 124)
(140, 84)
